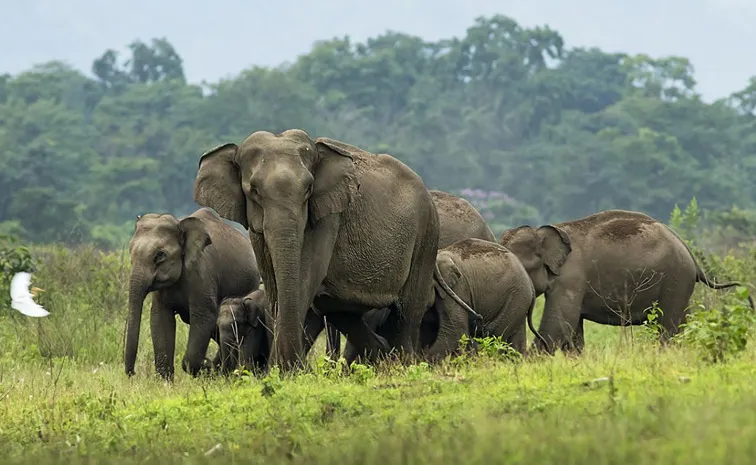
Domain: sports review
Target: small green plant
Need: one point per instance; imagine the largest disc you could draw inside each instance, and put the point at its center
(417, 372)
(720, 334)
(496, 347)
(272, 382)
(328, 368)
(653, 326)
(242, 375)
(362, 373)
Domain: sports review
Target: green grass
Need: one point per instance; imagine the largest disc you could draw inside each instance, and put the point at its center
(65, 399)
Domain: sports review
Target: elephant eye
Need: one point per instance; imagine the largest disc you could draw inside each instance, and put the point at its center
(254, 193)
(159, 256)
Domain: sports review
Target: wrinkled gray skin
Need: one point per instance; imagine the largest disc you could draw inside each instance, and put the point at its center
(317, 213)
(245, 334)
(458, 219)
(188, 265)
(608, 268)
(494, 282)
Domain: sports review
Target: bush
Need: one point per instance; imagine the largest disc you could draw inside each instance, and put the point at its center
(14, 258)
(720, 333)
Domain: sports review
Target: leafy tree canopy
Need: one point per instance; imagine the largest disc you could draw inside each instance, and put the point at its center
(529, 129)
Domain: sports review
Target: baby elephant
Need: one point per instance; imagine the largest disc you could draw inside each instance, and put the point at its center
(245, 332)
(491, 280)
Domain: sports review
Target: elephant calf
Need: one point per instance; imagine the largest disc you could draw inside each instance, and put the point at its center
(490, 279)
(188, 265)
(246, 336)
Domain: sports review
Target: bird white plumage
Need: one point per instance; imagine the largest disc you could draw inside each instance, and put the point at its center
(21, 299)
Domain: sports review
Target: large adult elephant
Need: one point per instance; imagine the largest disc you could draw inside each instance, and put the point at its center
(332, 226)
(189, 265)
(608, 268)
(458, 220)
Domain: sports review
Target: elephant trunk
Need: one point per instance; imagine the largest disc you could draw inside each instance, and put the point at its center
(284, 241)
(138, 289)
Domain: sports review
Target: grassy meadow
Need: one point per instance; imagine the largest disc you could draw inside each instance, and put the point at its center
(64, 397)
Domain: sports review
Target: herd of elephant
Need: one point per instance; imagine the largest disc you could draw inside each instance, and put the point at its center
(354, 243)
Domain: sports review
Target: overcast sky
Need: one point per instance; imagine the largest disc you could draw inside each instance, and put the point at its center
(221, 37)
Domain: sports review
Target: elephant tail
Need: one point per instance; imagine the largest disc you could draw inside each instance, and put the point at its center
(701, 278)
(530, 317)
(453, 295)
(701, 275)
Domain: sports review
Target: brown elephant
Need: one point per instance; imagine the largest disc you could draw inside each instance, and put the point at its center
(332, 226)
(494, 281)
(458, 219)
(245, 332)
(189, 266)
(608, 268)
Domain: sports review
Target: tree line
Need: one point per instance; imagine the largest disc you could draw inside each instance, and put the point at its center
(528, 129)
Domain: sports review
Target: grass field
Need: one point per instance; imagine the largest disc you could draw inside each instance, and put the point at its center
(65, 399)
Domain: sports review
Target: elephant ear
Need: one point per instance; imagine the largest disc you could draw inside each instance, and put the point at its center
(335, 184)
(218, 184)
(193, 238)
(554, 247)
(449, 272)
(252, 311)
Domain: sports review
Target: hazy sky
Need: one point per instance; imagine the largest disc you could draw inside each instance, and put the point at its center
(221, 37)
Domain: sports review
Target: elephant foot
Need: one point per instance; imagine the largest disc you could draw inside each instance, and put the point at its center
(165, 375)
(193, 368)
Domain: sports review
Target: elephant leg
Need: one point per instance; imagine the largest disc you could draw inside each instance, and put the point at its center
(674, 305)
(519, 339)
(163, 331)
(374, 319)
(453, 323)
(429, 328)
(578, 339)
(313, 326)
(402, 327)
(315, 322)
(561, 315)
(214, 364)
(203, 315)
(360, 336)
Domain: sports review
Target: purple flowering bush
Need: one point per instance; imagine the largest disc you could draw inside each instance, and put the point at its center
(500, 210)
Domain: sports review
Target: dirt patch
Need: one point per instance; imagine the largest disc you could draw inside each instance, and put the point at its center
(620, 222)
(467, 248)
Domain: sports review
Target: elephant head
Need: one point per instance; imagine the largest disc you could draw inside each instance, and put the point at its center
(243, 328)
(542, 252)
(446, 315)
(279, 187)
(161, 251)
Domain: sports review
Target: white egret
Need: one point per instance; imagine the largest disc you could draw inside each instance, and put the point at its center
(21, 298)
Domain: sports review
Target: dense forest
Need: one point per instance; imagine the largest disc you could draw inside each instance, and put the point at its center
(527, 128)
